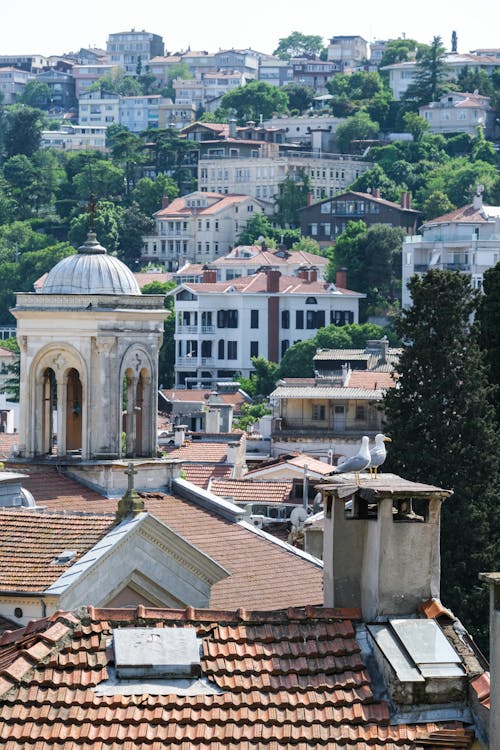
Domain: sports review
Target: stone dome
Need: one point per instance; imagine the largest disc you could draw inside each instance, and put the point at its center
(90, 271)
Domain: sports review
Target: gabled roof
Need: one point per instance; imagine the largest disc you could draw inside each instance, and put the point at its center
(257, 284)
(241, 491)
(261, 257)
(365, 196)
(278, 680)
(469, 214)
(296, 464)
(179, 208)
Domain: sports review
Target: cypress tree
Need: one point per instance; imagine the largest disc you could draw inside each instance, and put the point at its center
(442, 423)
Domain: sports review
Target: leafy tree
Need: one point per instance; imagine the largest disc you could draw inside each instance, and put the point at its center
(147, 81)
(475, 80)
(298, 45)
(178, 70)
(166, 356)
(22, 130)
(250, 414)
(300, 97)
(19, 237)
(431, 75)
(292, 197)
(359, 127)
(257, 226)
(443, 429)
(127, 152)
(458, 179)
(254, 100)
(415, 125)
(14, 370)
(401, 50)
(488, 318)
(19, 171)
(483, 150)
(36, 94)
(104, 180)
(107, 226)
(116, 82)
(376, 178)
(132, 226)
(308, 245)
(171, 154)
(264, 376)
(436, 204)
(148, 193)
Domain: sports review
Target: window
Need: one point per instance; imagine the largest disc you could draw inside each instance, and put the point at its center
(341, 317)
(232, 350)
(254, 348)
(311, 301)
(299, 319)
(206, 349)
(361, 412)
(227, 318)
(220, 349)
(318, 412)
(254, 318)
(285, 344)
(315, 319)
(285, 319)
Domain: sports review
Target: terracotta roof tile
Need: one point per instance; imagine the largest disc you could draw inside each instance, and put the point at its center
(250, 491)
(202, 452)
(367, 380)
(201, 474)
(283, 687)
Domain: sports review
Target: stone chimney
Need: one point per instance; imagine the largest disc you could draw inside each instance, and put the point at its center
(179, 434)
(309, 198)
(376, 192)
(341, 278)
(236, 457)
(493, 579)
(232, 127)
(165, 201)
(381, 544)
(209, 276)
(477, 201)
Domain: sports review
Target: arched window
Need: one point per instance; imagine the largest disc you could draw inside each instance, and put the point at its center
(311, 301)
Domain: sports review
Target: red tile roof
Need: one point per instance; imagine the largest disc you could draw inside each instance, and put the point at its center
(239, 490)
(257, 283)
(295, 581)
(370, 380)
(201, 474)
(178, 206)
(200, 396)
(201, 452)
(287, 679)
(466, 214)
(30, 542)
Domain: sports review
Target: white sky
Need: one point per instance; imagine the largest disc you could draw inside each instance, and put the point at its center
(57, 26)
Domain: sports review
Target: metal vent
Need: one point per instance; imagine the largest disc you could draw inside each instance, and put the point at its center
(65, 557)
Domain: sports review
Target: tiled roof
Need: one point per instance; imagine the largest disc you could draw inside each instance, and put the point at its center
(201, 474)
(31, 541)
(6, 352)
(295, 581)
(367, 380)
(199, 451)
(257, 284)
(327, 392)
(178, 206)
(299, 461)
(365, 196)
(466, 214)
(147, 277)
(198, 395)
(241, 491)
(292, 679)
(268, 258)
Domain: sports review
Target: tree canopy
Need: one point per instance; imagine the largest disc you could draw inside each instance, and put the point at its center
(255, 100)
(431, 75)
(297, 44)
(444, 433)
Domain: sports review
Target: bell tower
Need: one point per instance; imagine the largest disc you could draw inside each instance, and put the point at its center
(89, 343)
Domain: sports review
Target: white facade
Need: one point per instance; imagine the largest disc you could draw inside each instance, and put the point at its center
(350, 51)
(221, 326)
(261, 176)
(245, 260)
(97, 109)
(75, 138)
(199, 227)
(138, 113)
(457, 112)
(130, 48)
(467, 240)
(12, 83)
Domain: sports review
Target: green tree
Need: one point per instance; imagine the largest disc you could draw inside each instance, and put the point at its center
(166, 357)
(300, 97)
(148, 193)
(254, 100)
(250, 414)
(36, 94)
(415, 125)
(127, 152)
(257, 226)
(488, 321)
(293, 196)
(180, 70)
(22, 130)
(116, 82)
(264, 376)
(401, 50)
(14, 370)
(443, 429)
(377, 178)
(171, 155)
(132, 226)
(431, 75)
(475, 80)
(359, 127)
(297, 44)
(436, 204)
(104, 180)
(483, 150)
(19, 237)
(107, 226)
(19, 172)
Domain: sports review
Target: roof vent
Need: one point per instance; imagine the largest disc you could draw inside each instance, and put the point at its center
(156, 653)
(65, 557)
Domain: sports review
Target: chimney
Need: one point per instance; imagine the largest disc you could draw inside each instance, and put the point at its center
(313, 274)
(493, 579)
(236, 453)
(165, 200)
(381, 544)
(309, 198)
(209, 276)
(232, 127)
(376, 192)
(403, 199)
(477, 201)
(272, 280)
(408, 199)
(341, 278)
(303, 273)
(179, 434)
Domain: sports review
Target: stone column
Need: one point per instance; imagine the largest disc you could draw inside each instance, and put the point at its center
(131, 414)
(148, 405)
(104, 407)
(62, 395)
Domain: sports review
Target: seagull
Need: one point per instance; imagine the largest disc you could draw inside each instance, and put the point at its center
(356, 463)
(378, 453)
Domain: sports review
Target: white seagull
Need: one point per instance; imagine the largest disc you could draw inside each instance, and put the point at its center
(356, 463)
(378, 453)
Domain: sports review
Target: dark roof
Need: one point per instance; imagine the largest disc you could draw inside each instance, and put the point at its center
(293, 679)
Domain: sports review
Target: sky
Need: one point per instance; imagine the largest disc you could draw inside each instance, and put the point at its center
(56, 26)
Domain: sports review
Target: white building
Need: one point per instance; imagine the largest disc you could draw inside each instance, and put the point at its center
(349, 51)
(12, 83)
(220, 326)
(130, 49)
(246, 260)
(467, 239)
(458, 112)
(75, 138)
(402, 74)
(261, 176)
(138, 113)
(198, 227)
(98, 109)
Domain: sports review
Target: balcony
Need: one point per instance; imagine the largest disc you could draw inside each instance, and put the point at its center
(283, 428)
(208, 329)
(187, 329)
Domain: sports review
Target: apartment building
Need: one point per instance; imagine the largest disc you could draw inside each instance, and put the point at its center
(261, 176)
(12, 83)
(128, 49)
(75, 138)
(138, 113)
(97, 108)
(466, 239)
(348, 51)
(246, 260)
(460, 112)
(85, 75)
(220, 326)
(314, 72)
(198, 227)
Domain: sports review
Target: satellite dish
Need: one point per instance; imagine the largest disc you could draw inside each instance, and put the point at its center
(297, 517)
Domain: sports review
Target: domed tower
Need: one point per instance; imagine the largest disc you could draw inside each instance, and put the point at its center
(89, 344)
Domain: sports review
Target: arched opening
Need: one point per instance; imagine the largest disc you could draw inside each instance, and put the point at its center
(49, 405)
(73, 411)
(137, 417)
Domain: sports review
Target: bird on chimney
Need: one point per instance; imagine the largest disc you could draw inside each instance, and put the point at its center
(378, 453)
(356, 463)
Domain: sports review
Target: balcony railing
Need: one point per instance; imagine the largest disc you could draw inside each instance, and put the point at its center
(282, 426)
(187, 329)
